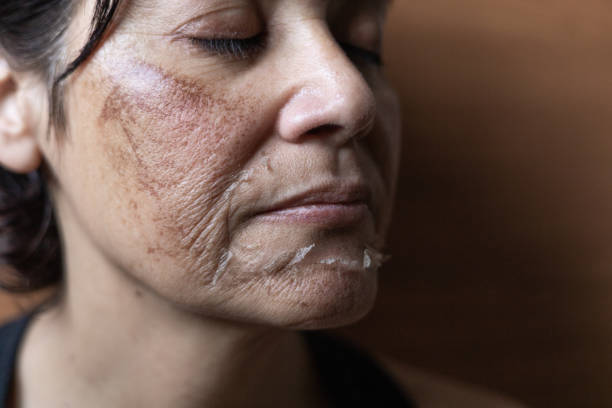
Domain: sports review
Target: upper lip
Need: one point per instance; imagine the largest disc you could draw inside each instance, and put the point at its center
(338, 193)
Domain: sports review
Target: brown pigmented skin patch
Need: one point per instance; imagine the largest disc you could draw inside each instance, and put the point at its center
(174, 127)
(180, 143)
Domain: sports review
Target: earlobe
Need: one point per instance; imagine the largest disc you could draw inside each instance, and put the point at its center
(19, 151)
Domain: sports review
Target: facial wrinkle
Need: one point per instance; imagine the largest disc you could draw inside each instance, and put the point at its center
(174, 130)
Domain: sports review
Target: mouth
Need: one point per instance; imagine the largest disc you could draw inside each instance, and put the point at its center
(332, 205)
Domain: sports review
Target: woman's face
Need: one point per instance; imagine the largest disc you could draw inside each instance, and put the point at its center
(232, 157)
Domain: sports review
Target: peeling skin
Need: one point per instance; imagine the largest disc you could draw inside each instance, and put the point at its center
(367, 260)
(279, 262)
(225, 258)
(339, 261)
(300, 255)
(373, 259)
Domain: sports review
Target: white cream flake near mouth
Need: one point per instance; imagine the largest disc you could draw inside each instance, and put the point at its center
(344, 262)
(373, 259)
(225, 258)
(367, 261)
(244, 177)
(300, 255)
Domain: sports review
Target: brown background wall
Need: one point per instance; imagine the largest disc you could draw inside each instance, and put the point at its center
(502, 267)
(502, 271)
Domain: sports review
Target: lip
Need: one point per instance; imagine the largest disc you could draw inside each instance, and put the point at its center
(332, 205)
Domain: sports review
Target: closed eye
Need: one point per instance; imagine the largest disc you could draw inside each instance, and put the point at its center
(238, 48)
(246, 48)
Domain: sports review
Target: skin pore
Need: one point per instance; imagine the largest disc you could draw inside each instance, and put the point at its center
(211, 197)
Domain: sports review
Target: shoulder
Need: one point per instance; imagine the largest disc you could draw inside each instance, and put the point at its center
(434, 391)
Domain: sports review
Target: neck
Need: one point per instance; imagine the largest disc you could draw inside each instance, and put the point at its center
(117, 344)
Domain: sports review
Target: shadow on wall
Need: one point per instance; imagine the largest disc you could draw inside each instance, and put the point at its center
(502, 267)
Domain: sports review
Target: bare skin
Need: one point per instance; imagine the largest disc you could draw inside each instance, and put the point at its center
(212, 199)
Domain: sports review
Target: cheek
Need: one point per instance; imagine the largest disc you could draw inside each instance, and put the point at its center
(175, 130)
(177, 148)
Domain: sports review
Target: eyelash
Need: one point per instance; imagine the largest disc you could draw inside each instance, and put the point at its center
(239, 48)
(245, 48)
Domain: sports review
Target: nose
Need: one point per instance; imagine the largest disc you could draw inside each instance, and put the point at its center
(328, 97)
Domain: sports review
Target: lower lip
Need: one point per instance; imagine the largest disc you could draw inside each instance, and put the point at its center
(323, 214)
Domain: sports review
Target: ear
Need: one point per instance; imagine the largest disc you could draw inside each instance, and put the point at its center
(19, 151)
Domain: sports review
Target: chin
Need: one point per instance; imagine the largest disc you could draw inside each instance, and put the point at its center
(291, 281)
(329, 297)
(311, 297)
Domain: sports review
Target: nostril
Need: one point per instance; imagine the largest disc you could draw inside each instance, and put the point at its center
(323, 130)
(336, 111)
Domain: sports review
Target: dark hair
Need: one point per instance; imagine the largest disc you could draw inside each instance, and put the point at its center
(31, 34)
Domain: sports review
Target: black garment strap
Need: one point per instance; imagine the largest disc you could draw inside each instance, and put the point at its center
(351, 378)
(10, 338)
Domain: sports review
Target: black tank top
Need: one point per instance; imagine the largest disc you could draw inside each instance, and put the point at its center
(349, 376)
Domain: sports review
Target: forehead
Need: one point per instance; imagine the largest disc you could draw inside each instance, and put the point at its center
(163, 17)
(198, 5)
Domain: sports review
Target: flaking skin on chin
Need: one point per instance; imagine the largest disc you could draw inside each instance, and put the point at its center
(262, 264)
